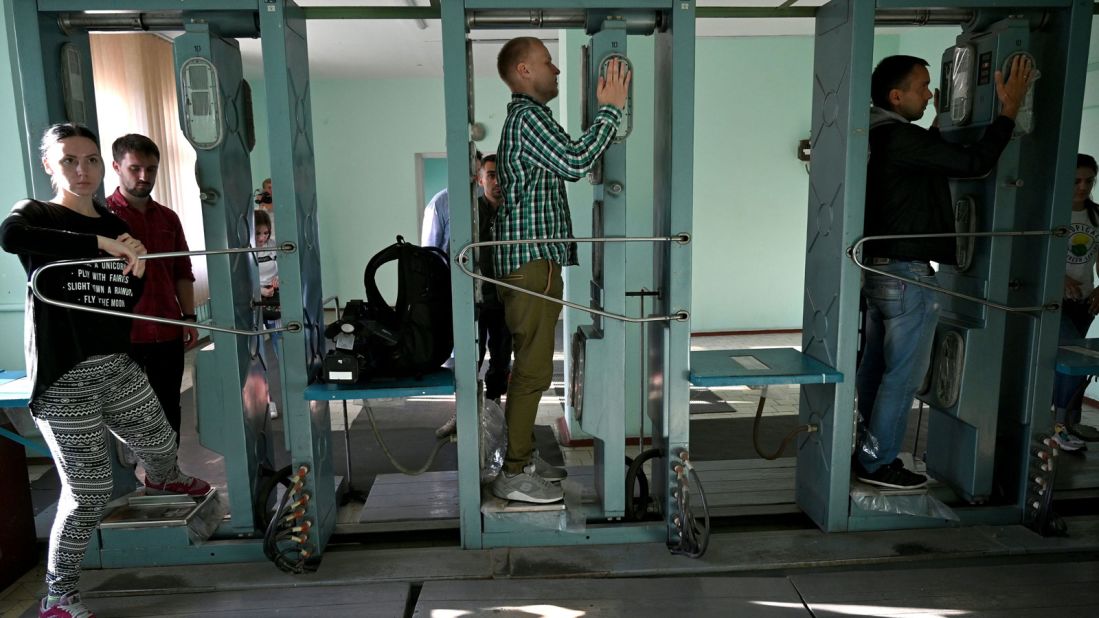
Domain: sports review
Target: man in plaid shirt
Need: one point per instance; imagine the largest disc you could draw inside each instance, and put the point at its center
(535, 157)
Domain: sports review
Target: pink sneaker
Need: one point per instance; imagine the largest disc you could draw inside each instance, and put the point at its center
(68, 606)
(181, 484)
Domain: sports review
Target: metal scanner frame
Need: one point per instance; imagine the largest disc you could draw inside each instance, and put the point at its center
(673, 55)
(228, 373)
(1015, 371)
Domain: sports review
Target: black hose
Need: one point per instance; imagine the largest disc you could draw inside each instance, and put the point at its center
(693, 539)
(636, 474)
(785, 440)
(261, 511)
(271, 534)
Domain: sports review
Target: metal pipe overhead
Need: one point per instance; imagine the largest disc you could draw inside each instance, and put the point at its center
(923, 17)
(234, 24)
(532, 18)
(120, 21)
(497, 18)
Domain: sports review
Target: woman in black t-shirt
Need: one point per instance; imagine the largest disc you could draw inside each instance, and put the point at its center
(84, 382)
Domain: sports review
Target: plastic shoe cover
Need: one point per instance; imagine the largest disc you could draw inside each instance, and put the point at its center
(526, 486)
(181, 484)
(68, 606)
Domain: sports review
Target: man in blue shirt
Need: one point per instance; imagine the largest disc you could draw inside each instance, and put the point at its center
(436, 228)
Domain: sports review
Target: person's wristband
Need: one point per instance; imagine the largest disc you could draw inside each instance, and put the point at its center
(190, 316)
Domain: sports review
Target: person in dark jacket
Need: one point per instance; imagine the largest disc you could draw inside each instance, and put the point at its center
(907, 192)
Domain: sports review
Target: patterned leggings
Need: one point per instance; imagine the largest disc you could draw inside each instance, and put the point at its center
(103, 393)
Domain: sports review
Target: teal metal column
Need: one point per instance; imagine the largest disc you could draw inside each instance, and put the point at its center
(229, 381)
(290, 135)
(457, 82)
(1064, 50)
(668, 404)
(837, 187)
(962, 432)
(38, 44)
(979, 433)
(605, 384)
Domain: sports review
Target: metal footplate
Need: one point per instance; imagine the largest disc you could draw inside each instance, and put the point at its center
(199, 516)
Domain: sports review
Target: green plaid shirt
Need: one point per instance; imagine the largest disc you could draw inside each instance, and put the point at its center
(534, 159)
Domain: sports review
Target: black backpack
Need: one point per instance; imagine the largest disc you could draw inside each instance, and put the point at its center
(420, 320)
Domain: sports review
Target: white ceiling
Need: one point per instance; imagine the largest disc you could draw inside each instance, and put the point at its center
(399, 48)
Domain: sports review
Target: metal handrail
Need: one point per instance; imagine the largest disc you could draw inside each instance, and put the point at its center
(855, 251)
(681, 238)
(286, 247)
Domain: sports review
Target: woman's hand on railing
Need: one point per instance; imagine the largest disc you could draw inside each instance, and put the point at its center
(119, 248)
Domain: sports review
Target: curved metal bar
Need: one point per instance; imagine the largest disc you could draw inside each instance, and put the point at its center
(325, 301)
(682, 238)
(855, 251)
(287, 247)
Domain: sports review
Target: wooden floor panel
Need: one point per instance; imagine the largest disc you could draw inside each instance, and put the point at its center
(1066, 589)
(383, 600)
(702, 597)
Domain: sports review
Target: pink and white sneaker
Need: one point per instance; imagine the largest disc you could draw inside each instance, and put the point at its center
(68, 606)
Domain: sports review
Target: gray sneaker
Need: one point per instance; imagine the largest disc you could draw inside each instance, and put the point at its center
(448, 428)
(526, 486)
(1084, 432)
(547, 470)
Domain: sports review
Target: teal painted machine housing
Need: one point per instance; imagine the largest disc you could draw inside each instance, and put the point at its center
(307, 424)
(668, 390)
(230, 408)
(37, 42)
(837, 186)
(979, 446)
(962, 437)
(603, 412)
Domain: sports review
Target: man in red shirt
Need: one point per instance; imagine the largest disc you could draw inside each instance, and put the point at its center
(169, 283)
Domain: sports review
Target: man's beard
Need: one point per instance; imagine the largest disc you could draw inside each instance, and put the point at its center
(140, 191)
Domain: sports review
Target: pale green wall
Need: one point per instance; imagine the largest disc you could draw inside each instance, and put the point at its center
(1089, 129)
(13, 281)
(435, 176)
(753, 101)
(366, 165)
(753, 104)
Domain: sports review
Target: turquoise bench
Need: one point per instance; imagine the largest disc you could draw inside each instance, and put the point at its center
(758, 367)
(15, 392)
(440, 382)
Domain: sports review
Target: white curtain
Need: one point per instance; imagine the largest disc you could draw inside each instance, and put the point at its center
(135, 92)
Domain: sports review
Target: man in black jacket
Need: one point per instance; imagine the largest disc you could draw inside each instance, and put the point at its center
(907, 193)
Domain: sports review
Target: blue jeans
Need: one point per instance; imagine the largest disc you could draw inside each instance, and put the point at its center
(900, 329)
(1067, 392)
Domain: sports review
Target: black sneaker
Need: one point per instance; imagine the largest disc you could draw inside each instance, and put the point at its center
(893, 476)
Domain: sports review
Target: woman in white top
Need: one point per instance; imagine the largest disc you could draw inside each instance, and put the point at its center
(268, 282)
(1079, 306)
